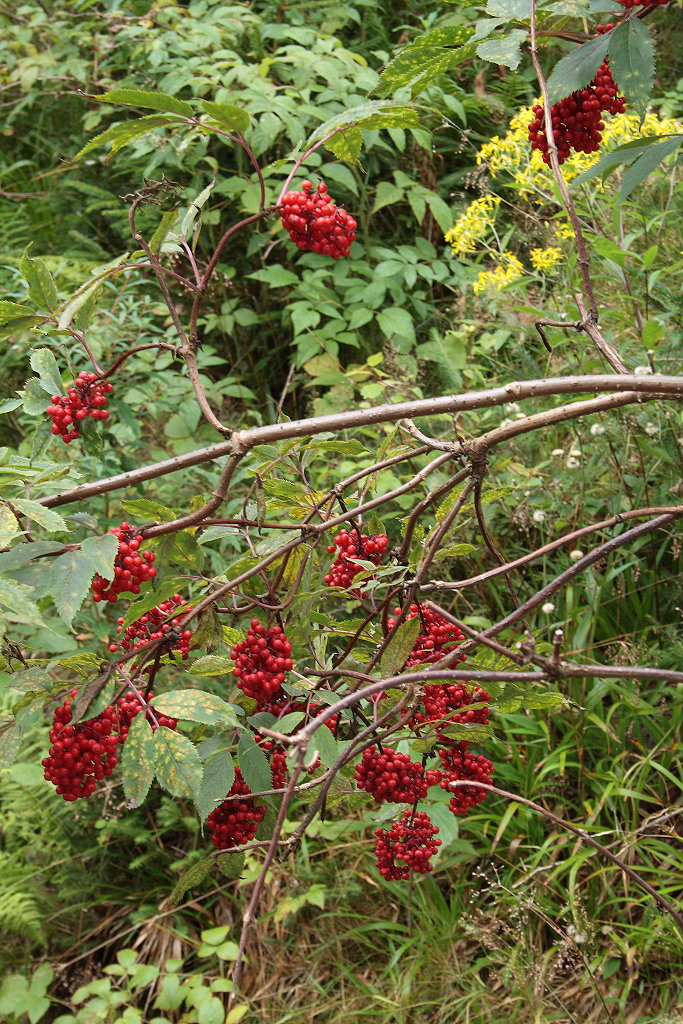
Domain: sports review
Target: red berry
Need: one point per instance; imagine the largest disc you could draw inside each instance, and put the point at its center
(261, 662)
(129, 569)
(87, 397)
(314, 223)
(407, 847)
(353, 545)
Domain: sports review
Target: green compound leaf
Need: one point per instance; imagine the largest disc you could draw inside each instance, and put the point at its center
(178, 767)
(120, 135)
(254, 765)
(632, 61)
(137, 760)
(228, 116)
(506, 50)
(45, 517)
(418, 65)
(400, 646)
(147, 98)
(44, 363)
(41, 286)
(219, 775)
(194, 876)
(577, 69)
(346, 145)
(195, 706)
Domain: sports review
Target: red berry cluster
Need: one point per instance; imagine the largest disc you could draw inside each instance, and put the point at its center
(459, 766)
(235, 822)
(262, 661)
(435, 639)
(576, 120)
(82, 754)
(131, 567)
(86, 397)
(642, 3)
(130, 705)
(407, 847)
(350, 545)
(445, 704)
(314, 222)
(393, 777)
(154, 625)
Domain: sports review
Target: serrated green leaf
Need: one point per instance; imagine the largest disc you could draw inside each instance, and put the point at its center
(138, 760)
(194, 209)
(33, 398)
(219, 775)
(399, 647)
(154, 511)
(9, 525)
(346, 145)
(151, 598)
(45, 517)
(195, 706)
(84, 294)
(228, 116)
(328, 749)
(101, 551)
(14, 313)
(632, 61)
(69, 583)
(41, 440)
(506, 50)
(467, 733)
(122, 134)
(643, 167)
(254, 765)
(147, 98)
(233, 636)
(231, 865)
(418, 66)
(195, 875)
(22, 554)
(164, 228)
(15, 597)
(212, 665)
(41, 287)
(386, 195)
(370, 115)
(178, 767)
(9, 405)
(91, 438)
(577, 69)
(44, 363)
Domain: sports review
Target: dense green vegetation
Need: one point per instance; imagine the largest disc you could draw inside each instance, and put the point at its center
(519, 922)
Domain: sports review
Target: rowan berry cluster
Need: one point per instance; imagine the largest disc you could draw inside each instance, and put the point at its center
(130, 705)
(351, 545)
(261, 662)
(160, 622)
(314, 222)
(88, 396)
(642, 3)
(576, 120)
(435, 639)
(406, 847)
(132, 568)
(236, 821)
(444, 704)
(393, 777)
(458, 765)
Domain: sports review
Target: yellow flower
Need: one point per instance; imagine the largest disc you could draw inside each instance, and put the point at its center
(473, 225)
(544, 259)
(507, 271)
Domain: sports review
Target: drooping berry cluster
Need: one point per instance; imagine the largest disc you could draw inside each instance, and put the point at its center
(81, 755)
(132, 568)
(262, 661)
(162, 621)
(353, 544)
(407, 846)
(576, 120)
(235, 822)
(392, 777)
(458, 765)
(642, 3)
(87, 396)
(315, 223)
(130, 705)
(444, 704)
(435, 639)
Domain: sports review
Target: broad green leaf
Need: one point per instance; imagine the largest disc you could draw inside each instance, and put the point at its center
(45, 517)
(12, 733)
(13, 316)
(120, 135)
(418, 66)
(137, 760)
(219, 775)
(504, 50)
(152, 511)
(447, 35)
(22, 554)
(387, 194)
(33, 397)
(9, 405)
(151, 598)
(41, 287)
(195, 706)
(85, 311)
(70, 578)
(228, 116)
(178, 767)
(9, 525)
(370, 115)
(231, 865)
(193, 876)
(346, 145)
(147, 98)
(646, 164)
(82, 296)
(164, 228)
(15, 597)
(577, 69)
(399, 647)
(324, 742)
(254, 765)
(397, 324)
(467, 733)
(212, 665)
(101, 551)
(632, 61)
(44, 363)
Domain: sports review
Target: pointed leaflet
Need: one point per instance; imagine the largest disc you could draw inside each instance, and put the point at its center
(147, 98)
(71, 573)
(346, 145)
(504, 50)
(231, 864)
(137, 760)
(632, 60)
(121, 134)
(219, 775)
(44, 363)
(195, 706)
(14, 316)
(101, 551)
(228, 116)
(400, 646)
(577, 69)
(212, 665)
(193, 209)
(373, 114)
(41, 287)
(646, 164)
(14, 596)
(254, 765)
(178, 767)
(83, 295)
(45, 517)
(151, 598)
(193, 876)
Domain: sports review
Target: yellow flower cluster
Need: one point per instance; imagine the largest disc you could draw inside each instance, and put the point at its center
(507, 271)
(544, 259)
(473, 225)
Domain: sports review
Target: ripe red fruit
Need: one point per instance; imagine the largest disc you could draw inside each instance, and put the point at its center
(408, 846)
(351, 544)
(162, 621)
(130, 705)
(88, 396)
(445, 704)
(82, 754)
(392, 777)
(261, 662)
(435, 639)
(460, 766)
(316, 223)
(131, 567)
